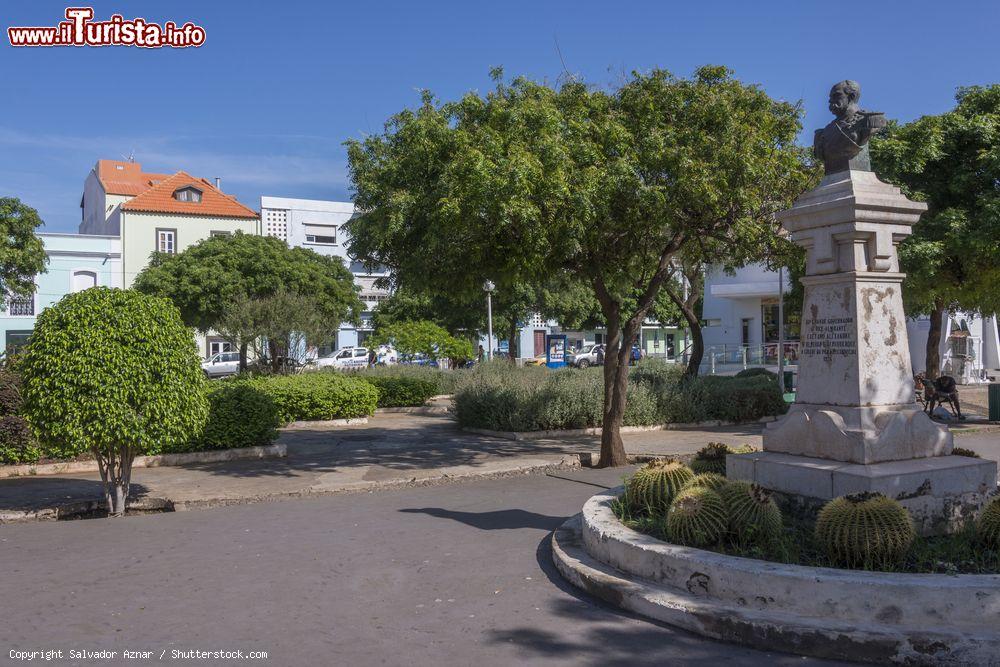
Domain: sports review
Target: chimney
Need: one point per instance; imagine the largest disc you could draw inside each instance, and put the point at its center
(218, 183)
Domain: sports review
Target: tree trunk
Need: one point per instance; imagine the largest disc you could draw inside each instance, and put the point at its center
(243, 356)
(512, 342)
(697, 342)
(116, 474)
(615, 388)
(933, 359)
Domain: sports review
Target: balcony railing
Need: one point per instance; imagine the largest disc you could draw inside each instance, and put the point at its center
(21, 306)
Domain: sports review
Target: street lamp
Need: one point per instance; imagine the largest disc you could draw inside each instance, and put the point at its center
(488, 287)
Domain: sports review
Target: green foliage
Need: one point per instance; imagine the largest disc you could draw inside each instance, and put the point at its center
(424, 337)
(988, 524)
(754, 517)
(206, 279)
(22, 254)
(757, 372)
(239, 415)
(320, 395)
(708, 480)
(606, 186)
(444, 381)
(398, 392)
(17, 444)
(111, 369)
(501, 397)
(952, 259)
(696, 518)
(652, 487)
(865, 530)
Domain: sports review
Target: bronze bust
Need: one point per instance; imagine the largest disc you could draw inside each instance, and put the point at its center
(843, 144)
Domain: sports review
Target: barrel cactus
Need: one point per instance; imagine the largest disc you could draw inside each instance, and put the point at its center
(653, 486)
(708, 480)
(962, 451)
(697, 518)
(864, 530)
(988, 524)
(712, 457)
(754, 517)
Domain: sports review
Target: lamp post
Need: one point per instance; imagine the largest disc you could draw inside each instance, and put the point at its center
(488, 287)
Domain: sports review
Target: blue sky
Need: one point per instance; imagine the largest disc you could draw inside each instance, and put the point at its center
(269, 99)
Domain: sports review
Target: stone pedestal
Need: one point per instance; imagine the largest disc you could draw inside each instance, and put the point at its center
(855, 418)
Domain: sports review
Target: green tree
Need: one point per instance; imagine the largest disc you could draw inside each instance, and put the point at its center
(423, 337)
(116, 373)
(205, 280)
(952, 162)
(607, 187)
(285, 322)
(22, 254)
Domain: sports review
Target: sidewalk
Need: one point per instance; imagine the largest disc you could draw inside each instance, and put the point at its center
(392, 449)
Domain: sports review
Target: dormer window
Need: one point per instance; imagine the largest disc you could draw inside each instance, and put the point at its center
(189, 194)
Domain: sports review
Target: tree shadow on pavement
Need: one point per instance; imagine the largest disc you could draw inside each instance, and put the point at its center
(31, 493)
(497, 520)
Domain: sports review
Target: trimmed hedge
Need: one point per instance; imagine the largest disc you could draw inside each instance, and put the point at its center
(443, 381)
(317, 396)
(500, 397)
(399, 392)
(239, 415)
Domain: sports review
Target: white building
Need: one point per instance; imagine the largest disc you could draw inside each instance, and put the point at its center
(319, 226)
(741, 314)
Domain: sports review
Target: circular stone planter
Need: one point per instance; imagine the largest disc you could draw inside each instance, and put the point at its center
(823, 612)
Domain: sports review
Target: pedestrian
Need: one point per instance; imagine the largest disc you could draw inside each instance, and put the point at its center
(482, 354)
(372, 356)
(600, 355)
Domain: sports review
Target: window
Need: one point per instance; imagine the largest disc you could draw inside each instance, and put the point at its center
(16, 340)
(166, 241)
(321, 234)
(21, 306)
(215, 346)
(188, 194)
(83, 279)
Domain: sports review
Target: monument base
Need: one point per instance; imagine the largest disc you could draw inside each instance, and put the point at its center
(865, 435)
(941, 492)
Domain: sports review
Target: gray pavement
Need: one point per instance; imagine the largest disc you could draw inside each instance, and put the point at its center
(458, 574)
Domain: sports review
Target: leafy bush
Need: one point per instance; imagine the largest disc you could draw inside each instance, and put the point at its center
(114, 372)
(239, 415)
(398, 392)
(17, 444)
(443, 382)
(501, 397)
(317, 396)
(757, 372)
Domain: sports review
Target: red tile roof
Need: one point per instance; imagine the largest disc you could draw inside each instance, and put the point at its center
(160, 199)
(125, 178)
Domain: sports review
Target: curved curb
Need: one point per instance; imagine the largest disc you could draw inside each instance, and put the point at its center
(763, 622)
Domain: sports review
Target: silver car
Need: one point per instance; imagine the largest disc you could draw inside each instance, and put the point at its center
(221, 364)
(587, 356)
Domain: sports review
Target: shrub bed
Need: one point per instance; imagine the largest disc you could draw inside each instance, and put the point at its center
(501, 397)
(317, 396)
(239, 415)
(443, 382)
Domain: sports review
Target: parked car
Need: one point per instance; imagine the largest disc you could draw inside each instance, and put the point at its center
(540, 360)
(418, 359)
(221, 364)
(345, 357)
(587, 356)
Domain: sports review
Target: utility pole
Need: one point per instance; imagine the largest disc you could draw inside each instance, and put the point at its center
(488, 287)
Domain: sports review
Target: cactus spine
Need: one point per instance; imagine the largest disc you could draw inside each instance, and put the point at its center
(754, 517)
(865, 530)
(988, 524)
(653, 487)
(697, 518)
(707, 480)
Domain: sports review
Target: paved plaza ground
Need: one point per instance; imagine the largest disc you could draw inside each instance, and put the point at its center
(457, 574)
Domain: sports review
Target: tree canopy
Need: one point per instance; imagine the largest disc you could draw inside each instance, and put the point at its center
(207, 279)
(22, 254)
(952, 162)
(116, 373)
(605, 187)
(423, 337)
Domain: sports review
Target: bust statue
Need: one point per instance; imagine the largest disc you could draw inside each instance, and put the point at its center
(843, 144)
